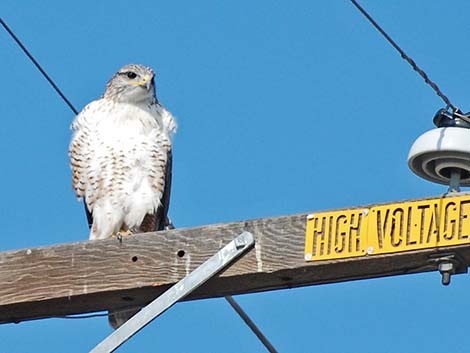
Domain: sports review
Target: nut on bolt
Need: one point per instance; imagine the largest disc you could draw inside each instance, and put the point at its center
(446, 269)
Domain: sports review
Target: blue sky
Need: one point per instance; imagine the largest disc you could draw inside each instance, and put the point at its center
(283, 108)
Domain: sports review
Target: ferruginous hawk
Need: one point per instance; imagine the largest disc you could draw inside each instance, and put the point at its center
(121, 156)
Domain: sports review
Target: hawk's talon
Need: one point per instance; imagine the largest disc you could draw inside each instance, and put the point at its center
(119, 235)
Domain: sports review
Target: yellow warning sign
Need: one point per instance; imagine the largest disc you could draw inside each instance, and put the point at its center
(388, 228)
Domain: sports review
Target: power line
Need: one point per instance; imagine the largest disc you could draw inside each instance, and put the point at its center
(251, 324)
(98, 314)
(407, 58)
(43, 72)
(82, 316)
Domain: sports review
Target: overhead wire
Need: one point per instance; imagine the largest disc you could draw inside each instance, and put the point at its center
(251, 324)
(38, 66)
(408, 59)
(82, 316)
(231, 301)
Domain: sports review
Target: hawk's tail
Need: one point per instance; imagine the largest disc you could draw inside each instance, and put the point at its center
(118, 317)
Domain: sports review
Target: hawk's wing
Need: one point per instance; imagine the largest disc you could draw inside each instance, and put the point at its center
(89, 216)
(79, 150)
(166, 192)
(161, 216)
(159, 220)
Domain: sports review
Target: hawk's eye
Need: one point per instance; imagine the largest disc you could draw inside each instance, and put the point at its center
(131, 75)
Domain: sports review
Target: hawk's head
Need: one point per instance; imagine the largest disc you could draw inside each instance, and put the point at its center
(132, 84)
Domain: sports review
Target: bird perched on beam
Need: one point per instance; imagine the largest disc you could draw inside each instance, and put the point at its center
(121, 157)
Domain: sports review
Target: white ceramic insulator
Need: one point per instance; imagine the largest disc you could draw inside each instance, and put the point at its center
(437, 152)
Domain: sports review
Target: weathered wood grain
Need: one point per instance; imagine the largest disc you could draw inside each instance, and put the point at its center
(103, 274)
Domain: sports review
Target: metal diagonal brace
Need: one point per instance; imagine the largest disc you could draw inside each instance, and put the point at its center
(237, 247)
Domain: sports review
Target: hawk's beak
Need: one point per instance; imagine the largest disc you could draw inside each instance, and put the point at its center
(146, 82)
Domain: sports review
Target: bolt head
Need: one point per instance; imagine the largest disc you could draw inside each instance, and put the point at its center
(240, 242)
(446, 267)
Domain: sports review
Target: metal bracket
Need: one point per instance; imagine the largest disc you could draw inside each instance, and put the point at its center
(237, 247)
(448, 264)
